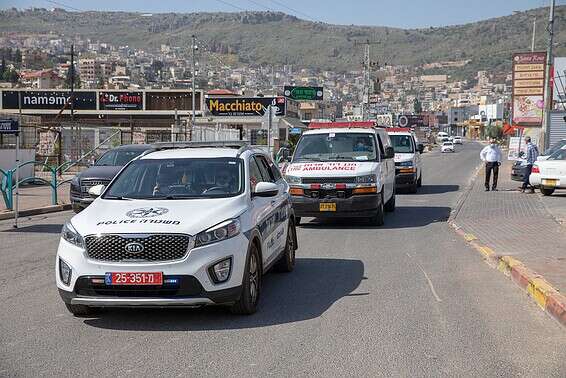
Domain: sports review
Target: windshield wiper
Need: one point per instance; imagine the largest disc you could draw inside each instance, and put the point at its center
(120, 198)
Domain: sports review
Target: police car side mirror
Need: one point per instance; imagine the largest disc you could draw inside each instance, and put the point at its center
(265, 189)
(389, 153)
(420, 148)
(96, 191)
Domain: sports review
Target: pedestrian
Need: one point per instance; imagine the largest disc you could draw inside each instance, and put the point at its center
(491, 155)
(532, 155)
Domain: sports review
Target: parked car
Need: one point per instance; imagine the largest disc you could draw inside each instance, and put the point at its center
(102, 172)
(447, 147)
(519, 166)
(343, 172)
(550, 174)
(408, 162)
(180, 226)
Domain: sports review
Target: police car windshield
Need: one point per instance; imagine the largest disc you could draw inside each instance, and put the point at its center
(178, 179)
(402, 144)
(336, 147)
(117, 158)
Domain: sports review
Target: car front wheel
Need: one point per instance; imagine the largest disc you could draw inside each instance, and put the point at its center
(379, 218)
(251, 285)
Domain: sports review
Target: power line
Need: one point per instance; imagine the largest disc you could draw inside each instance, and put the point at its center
(64, 5)
(293, 10)
(261, 5)
(232, 5)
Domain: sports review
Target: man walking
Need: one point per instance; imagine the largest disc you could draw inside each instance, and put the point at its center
(532, 155)
(491, 155)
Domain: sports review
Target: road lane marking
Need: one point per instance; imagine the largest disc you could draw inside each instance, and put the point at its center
(428, 280)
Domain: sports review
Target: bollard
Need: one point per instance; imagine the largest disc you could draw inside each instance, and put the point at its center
(53, 186)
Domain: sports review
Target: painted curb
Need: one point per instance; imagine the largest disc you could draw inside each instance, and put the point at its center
(543, 293)
(36, 211)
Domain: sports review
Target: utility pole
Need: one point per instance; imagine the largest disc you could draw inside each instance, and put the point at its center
(534, 34)
(193, 94)
(547, 85)
(367, 64)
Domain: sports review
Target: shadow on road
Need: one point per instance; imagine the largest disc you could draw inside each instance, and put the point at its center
(306, 293)
(435, 189)
(403, 217)
(38, 229)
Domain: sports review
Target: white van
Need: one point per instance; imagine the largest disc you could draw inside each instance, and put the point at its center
(343, 171)
(408, 162)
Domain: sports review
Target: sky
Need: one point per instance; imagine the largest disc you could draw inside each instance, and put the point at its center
(394, 13)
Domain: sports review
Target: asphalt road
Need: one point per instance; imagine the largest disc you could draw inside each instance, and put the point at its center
(407, 299)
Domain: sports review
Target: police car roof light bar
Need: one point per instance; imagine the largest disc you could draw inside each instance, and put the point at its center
(236, 144)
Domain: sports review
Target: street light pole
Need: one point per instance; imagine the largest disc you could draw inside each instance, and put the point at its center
(547, 85)
(193, 95)
(534, 34)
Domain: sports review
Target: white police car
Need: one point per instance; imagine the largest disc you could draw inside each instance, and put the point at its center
(186, 225)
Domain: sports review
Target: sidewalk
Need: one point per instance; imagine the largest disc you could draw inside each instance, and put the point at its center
(516, 225)
(38, 196)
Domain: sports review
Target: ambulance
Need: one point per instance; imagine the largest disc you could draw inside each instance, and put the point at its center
(343, 170)
(408, 161)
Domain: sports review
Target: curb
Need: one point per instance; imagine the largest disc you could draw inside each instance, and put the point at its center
(543, 293)
(36, 211)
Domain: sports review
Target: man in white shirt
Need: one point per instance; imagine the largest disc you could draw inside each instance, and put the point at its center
(491, 155)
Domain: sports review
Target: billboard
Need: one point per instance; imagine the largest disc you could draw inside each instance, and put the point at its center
(168, 100)
(244, 106)
(528, 88)
(9, 126)
(120, 100)
(413, 121)
(559, 92)
(48, 100)
(304, 93)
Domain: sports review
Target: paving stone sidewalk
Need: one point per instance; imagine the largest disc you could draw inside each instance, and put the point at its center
(516, 224)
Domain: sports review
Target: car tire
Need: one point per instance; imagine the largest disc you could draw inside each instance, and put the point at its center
(547, 191)
(420, 181)
(297, 221)
(390, 205)
(286, 262)
(77, 209)
(251, 285)
(80, 310)
(379, 218)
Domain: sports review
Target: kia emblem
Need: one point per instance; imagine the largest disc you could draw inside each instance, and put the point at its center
(134, 248)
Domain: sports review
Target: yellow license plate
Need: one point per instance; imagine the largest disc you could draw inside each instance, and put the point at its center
(327, 207)
(547, 182)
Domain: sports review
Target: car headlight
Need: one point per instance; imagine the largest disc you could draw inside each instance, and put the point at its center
(405, 164)
(71, 235)
(367, 179)
(293, 180)
(222, 231)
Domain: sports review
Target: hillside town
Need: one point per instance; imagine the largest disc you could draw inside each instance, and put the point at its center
(269, 188)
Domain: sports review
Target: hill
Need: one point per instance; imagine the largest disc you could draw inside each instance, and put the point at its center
(278, 38)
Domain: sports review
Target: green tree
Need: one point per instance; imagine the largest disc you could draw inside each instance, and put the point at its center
(11, 75)
(2, 67)
(18, 57)
(68, 79)
(417, 106)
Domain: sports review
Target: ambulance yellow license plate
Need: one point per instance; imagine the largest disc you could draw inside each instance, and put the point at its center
(327, 206)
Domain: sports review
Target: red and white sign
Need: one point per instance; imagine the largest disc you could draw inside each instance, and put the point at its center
(324, 167)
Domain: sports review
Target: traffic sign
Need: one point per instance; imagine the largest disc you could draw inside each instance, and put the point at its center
(9, 126)
(304, 93)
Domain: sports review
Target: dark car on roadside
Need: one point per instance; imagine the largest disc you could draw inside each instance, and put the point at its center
(102, 172)
(519, 168)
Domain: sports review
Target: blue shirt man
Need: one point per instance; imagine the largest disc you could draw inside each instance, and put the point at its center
(532, 155)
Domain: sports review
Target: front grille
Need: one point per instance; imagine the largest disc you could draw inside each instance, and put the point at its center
(87, 184)
(186, 286)
(156, 247)
(329, 180)
(331, 193)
